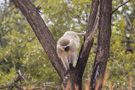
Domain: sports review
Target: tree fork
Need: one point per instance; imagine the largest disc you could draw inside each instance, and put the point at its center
(73, 78)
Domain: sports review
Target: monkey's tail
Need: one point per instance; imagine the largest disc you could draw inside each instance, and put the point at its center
(81, 34)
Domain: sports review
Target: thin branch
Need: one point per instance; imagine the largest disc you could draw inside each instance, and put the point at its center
(120, 6)
(21, 75)
(38, 6)
(129, 21)
(51, 84)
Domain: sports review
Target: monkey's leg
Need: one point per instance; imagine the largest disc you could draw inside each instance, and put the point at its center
(74, 58)
(65, 63)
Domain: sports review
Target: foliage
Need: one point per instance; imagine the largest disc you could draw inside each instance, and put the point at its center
(64, 15)
(21, 50)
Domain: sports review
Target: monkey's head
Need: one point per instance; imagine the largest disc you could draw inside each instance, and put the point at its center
(65, 44)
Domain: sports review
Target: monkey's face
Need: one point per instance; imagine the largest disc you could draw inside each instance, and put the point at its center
(66, 48)
(65, 44)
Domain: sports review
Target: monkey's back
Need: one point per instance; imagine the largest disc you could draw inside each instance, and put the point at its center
(67, 47)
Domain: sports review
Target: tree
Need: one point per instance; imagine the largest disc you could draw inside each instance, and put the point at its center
(14, 52)
(43, 34)
(24, 64)
(102, 54)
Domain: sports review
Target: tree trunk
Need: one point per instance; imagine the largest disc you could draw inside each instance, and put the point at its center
(104, 36)
(73, 80)
(42, 32)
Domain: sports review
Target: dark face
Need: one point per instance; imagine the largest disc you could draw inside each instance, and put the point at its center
(66, 48)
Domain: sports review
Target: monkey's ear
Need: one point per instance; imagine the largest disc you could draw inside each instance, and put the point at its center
(66, 48)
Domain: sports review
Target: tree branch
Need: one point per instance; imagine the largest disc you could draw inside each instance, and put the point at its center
(91, 36)
(21, 75)
(130, 23)
(120, 6)
(38, 6)
(90, 31)
(42, 32)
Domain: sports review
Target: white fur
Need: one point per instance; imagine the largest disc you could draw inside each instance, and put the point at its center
(72, 40)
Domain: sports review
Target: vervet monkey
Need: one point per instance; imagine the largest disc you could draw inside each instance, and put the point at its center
(67, 47)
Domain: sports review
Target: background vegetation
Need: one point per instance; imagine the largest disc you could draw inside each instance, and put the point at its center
(21, 52)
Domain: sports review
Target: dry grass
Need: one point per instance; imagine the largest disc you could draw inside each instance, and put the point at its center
(108, 84)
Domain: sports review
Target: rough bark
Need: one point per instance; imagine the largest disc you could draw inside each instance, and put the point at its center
(104, 36)
(42, 32)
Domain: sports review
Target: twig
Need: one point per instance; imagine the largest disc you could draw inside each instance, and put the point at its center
(51, 84)
(21, 75)
(38, 6)
(129, 21)
(120, 6)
